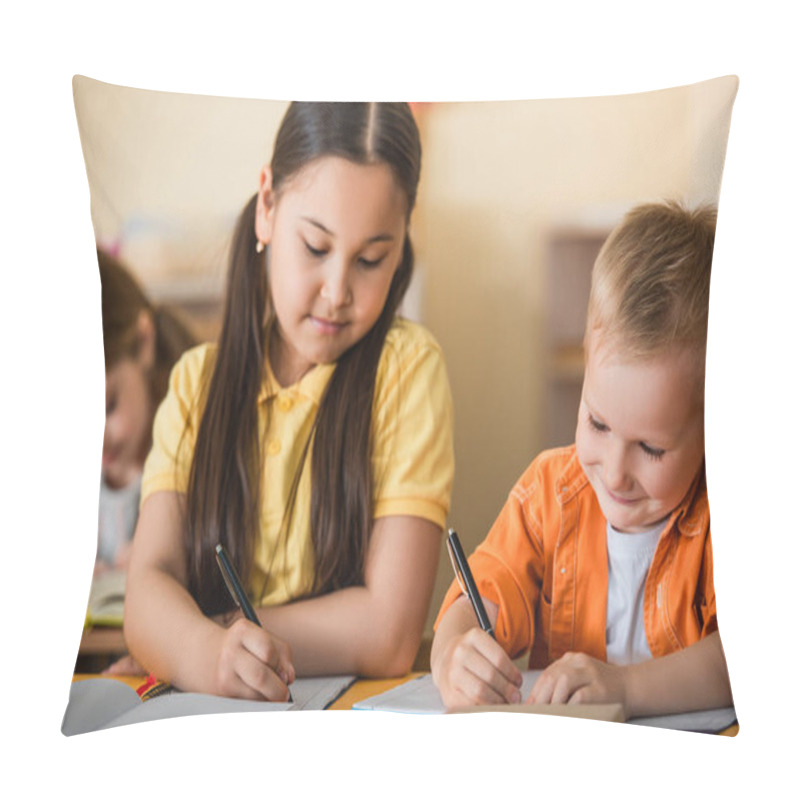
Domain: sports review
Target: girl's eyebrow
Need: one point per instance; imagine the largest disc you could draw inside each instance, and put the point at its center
(381, 237)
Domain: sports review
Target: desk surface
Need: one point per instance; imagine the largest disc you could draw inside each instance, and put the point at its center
(102, 641)
(360, 690)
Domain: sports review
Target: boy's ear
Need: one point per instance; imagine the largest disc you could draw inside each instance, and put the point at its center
(146, 333)
(265, 207)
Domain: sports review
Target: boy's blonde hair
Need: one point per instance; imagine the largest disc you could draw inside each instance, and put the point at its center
(651, 280)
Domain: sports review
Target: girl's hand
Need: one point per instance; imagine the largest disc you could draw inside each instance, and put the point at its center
(252, 664)
(473, 669)
(578, 678)
(127, 665)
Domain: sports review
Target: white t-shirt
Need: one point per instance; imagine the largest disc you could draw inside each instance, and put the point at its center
(119, 511)
(629, 559)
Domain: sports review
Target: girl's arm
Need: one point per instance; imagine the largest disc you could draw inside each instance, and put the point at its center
(168, 634)
(372, 630)
(692, 679)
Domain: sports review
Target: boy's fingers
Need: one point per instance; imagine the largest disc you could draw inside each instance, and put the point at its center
(493, 688)
(485, 663)
(495, 655)
(479, 691)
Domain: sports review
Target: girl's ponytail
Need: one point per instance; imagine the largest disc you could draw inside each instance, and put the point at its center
(223, 490)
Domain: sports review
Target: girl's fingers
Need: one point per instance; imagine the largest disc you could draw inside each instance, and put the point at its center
(271, 651)
(253, 664)
(262, 679)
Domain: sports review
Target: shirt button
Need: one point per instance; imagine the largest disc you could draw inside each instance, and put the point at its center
(563, 571)
(273, 448)
(285, 403)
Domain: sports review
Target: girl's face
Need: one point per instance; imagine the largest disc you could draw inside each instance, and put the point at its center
(336, 233)
(129, 413)
(640, 433)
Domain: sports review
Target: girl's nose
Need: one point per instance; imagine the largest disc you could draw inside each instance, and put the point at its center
(336, 286)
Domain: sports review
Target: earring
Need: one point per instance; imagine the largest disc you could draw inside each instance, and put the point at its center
(259, 246)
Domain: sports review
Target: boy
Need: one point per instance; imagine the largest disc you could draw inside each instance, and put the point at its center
(600, 562)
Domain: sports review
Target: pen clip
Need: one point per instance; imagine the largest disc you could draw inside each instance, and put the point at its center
(454, 562)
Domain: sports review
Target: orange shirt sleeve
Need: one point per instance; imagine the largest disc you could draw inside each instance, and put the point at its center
(707, 601)
(508, 567)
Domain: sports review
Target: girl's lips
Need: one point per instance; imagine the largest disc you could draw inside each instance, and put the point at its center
(327, 325)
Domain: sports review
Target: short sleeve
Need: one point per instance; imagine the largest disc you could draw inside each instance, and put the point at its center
(412, 428)
(175, 427)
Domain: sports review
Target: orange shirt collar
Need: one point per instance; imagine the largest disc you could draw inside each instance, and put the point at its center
(690, 518)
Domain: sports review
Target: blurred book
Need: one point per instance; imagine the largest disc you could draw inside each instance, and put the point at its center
(106, 599)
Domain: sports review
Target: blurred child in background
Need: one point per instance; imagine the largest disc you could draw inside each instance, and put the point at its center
(141, 344)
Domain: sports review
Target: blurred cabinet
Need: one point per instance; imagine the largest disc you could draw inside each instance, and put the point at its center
(198, 302)
(570, 255)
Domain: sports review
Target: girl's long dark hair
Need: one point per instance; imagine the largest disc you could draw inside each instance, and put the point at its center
(223, 496)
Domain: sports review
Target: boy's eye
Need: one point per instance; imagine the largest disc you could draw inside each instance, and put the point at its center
(655, 453)
(111, 404)
(597, 425)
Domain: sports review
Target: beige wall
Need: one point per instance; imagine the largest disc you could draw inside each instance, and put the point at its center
(497, 179)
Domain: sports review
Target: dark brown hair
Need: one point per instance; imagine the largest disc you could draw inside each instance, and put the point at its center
(122, 302)
(223, 499)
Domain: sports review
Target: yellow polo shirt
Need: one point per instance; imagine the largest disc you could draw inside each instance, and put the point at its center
(412, 456)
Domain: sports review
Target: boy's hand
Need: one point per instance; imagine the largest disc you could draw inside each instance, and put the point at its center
(578, 678)
(253, 664)
(474, 670)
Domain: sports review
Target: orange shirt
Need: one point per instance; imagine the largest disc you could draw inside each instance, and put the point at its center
(544, 563)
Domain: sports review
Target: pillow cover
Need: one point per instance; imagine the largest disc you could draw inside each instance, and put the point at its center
(515, 200)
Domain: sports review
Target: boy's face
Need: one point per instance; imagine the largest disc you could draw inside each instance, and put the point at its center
(640, 436)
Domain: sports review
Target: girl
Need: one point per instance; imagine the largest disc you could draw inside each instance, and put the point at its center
(315, 442)
(141, 344)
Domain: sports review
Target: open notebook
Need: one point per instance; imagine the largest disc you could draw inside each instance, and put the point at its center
(420, 696)
(100, 703)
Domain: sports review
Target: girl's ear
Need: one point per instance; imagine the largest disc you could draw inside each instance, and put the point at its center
(146, 333)
(265, 207)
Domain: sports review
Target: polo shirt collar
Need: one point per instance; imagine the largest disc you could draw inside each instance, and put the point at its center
(311, 385)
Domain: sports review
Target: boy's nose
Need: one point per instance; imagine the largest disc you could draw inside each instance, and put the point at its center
(615, 471)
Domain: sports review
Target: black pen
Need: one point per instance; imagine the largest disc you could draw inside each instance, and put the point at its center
(235, 588)
(466, 581)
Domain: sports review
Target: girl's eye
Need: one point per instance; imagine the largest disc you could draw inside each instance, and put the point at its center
(656, 453)
(314, 251)
(111, 405)
(370, 264)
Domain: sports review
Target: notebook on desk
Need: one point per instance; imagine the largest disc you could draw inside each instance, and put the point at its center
(420, 696)
(106, 599)
(101, 703)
